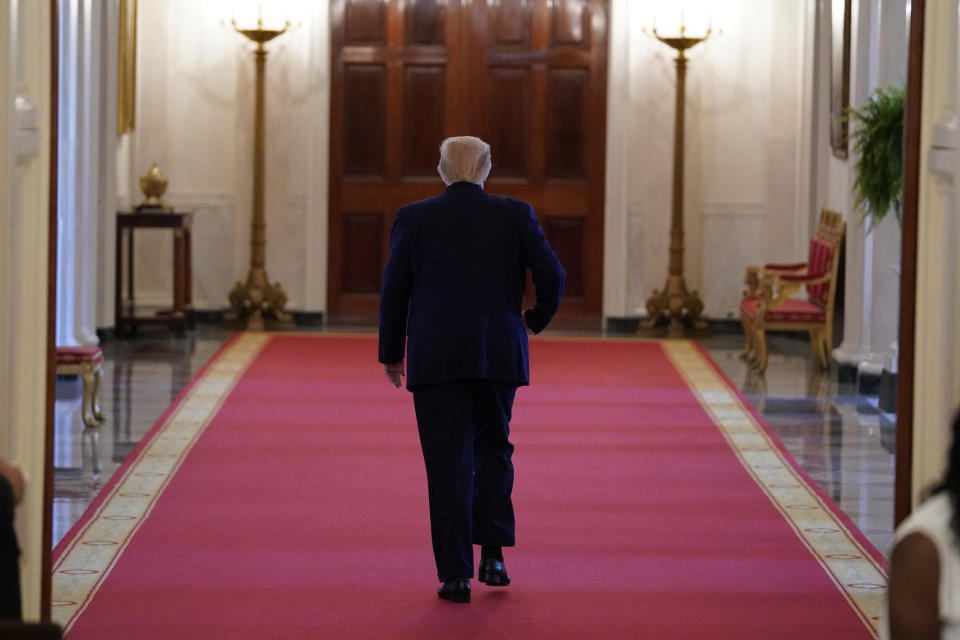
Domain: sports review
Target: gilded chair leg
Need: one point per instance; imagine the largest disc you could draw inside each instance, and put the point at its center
(95, 400)
(761, 338)
(748, 344)
(827, 336)
(826, 351)
(747, 352)
(750, 352)
(86, 411)
(819, 347)
(816, 344)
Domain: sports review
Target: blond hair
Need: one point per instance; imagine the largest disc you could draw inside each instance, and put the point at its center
(464, 159)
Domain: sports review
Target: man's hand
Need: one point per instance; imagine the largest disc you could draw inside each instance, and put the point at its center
(394, 373)
(523, 318)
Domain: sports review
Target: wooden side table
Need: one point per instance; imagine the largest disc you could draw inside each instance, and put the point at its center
(181, 315)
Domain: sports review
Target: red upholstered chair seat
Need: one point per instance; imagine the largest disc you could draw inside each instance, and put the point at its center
(789, 311)
(79, 355)
(85, 362)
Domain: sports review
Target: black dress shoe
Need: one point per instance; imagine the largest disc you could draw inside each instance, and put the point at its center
(455, 590)
(493, 573)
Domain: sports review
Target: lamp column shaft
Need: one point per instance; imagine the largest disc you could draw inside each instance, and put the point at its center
(257, 301)
(683, 307)
(676, 219)
(258, 240)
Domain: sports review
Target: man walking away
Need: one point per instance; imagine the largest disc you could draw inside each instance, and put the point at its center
(453, 291)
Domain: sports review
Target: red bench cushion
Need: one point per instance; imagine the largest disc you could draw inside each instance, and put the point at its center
(79, 355)
(789, 311)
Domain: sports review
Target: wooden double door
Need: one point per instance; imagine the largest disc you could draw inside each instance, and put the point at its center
(527, 76)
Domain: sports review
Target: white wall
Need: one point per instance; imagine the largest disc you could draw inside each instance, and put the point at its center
(195, 120)
(748, 124)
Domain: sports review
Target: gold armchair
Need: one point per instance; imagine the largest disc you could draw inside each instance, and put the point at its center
(767, 305)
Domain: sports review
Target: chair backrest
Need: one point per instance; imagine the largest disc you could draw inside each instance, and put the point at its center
(818, 263)
(824, 251)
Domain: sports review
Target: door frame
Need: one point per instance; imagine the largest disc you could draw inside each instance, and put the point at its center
(51, 391)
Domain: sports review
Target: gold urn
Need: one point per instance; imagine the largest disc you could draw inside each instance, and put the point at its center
(153, 184)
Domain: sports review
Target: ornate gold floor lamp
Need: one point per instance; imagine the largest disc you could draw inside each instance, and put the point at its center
(257, 301)
(682, 307)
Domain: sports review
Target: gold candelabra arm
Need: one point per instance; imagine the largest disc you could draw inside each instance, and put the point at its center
(680, 42)
(261, 34)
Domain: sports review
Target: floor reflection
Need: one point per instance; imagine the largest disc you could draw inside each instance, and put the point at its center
(840, 439)
(843, 441)
(141, 377)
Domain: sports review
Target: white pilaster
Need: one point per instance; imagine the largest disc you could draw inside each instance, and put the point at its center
(615, 259)
(888, 68)
(805, 209)
(107, 186)
(79, 171)
(858, 271)
(318, 159)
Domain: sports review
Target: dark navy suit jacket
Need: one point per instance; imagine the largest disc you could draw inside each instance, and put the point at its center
(453, 287)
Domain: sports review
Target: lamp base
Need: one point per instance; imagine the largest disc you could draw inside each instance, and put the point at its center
(258, 304)
(676, 304)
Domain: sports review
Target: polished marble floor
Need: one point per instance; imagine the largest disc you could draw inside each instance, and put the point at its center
(843, 442)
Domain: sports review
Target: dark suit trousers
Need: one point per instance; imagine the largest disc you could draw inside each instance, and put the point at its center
(464, 433)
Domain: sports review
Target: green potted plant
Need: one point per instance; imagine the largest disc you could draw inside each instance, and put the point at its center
(878, 141)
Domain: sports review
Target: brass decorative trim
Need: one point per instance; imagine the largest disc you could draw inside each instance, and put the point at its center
(127, 67)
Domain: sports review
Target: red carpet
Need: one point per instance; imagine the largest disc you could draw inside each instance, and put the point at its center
(293, 505)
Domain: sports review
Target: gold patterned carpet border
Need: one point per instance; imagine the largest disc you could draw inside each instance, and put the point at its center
(852, 568)
(94, 549)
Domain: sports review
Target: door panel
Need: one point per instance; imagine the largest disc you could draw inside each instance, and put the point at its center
(571, 23)
(365, 98)
(366, 22)
(424, 111)
(362, 235)
(528, 76)
(511, 20)
(566, 238)
(566, 125)
(508, 121)
(424, 22)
